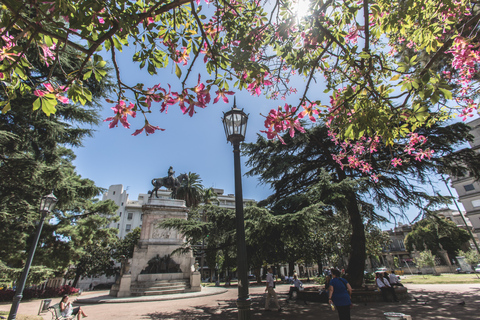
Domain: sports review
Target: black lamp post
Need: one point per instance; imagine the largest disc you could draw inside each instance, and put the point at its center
(46, 206)
(235, 124)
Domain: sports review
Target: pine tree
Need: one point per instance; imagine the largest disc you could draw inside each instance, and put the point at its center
(295, 168)
(35, 159)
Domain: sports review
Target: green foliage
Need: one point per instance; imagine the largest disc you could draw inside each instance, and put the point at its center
(435, 231)
(191, 190)
(125, 246)
(250, 43)
(471, 256)
(426, 259)
(35, 159)
(396, 262)
(303, 173)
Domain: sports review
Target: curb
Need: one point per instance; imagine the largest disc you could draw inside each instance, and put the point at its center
(206, 291)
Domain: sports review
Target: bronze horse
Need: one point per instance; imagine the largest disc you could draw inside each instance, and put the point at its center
(171, 183)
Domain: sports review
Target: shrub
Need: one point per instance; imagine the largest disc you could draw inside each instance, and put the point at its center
(7, 295)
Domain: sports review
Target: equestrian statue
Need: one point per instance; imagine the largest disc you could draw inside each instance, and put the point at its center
(170, 182)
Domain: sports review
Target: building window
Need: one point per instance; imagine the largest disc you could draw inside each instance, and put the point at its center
(141, 217)
(469, 187)
(122, 204)
(118, 225)
(113, 192)
(120, 214)
(476, 203)
(130, 215)
(128, 227)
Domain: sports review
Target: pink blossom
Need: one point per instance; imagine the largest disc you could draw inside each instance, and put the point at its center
(396, 162)
(309, 111)
(50, 90)
(203, 94)
(365, 167)
(221, 93)
(353, 161)
(181, 99)
(122, 112)
(47, 53)
(182, 56)
(149, 129)
(358, 148)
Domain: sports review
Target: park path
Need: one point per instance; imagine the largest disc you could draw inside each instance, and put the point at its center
(438, 302)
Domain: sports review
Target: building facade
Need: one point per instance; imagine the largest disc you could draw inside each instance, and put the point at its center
(468, 188)
(130, 211)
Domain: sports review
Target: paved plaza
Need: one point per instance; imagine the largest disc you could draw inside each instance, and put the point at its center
(437, 302)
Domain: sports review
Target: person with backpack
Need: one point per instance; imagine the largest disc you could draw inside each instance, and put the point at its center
(340, 295)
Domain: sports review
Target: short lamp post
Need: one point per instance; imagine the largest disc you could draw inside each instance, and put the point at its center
(46, 206)
(235, 124)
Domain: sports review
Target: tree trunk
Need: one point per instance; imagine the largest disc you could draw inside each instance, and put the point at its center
(75, 281)
(356, 263)
(320, 266)
(291, 268)
(258, 275)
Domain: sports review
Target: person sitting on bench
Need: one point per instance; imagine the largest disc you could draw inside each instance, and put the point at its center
(68, 310)
(295, 288)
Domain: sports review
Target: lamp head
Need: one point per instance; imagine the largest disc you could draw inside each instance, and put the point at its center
(235, 124)
(48, 202)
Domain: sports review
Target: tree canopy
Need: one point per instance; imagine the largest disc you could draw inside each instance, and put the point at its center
(389, 67)
(305, 169)
(433, 232)
(35, 159)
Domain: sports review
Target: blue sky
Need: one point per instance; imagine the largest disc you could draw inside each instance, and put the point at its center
(189, 144)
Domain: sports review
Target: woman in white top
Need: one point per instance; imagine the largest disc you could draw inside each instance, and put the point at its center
(67, 309)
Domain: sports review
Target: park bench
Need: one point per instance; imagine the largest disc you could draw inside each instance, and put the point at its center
(57, 314)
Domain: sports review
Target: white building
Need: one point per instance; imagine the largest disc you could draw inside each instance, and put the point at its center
(130, 211)
(468, 189)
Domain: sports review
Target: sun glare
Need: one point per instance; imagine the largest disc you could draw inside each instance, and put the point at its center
(302, 8)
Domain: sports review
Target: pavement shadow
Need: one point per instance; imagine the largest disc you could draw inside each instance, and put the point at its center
(227, 309)
(423, 304)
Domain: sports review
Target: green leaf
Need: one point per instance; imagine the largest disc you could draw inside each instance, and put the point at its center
(178, 72)
(6, 108)
(37, 104)
(48, 106)
(87, 75)
(446, 93)
(395, 77)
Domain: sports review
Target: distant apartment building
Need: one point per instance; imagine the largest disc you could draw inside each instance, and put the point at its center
(396, 248)
(468, 188)
(130, 211)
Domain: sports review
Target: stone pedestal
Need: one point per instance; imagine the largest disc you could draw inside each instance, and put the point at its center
(124, 286)
(162, 242)
(195, 283)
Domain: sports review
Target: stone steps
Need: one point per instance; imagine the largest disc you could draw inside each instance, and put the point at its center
(159, 287)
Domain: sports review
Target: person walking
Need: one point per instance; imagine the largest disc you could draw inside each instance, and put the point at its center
(270, 290)
(340, 295)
